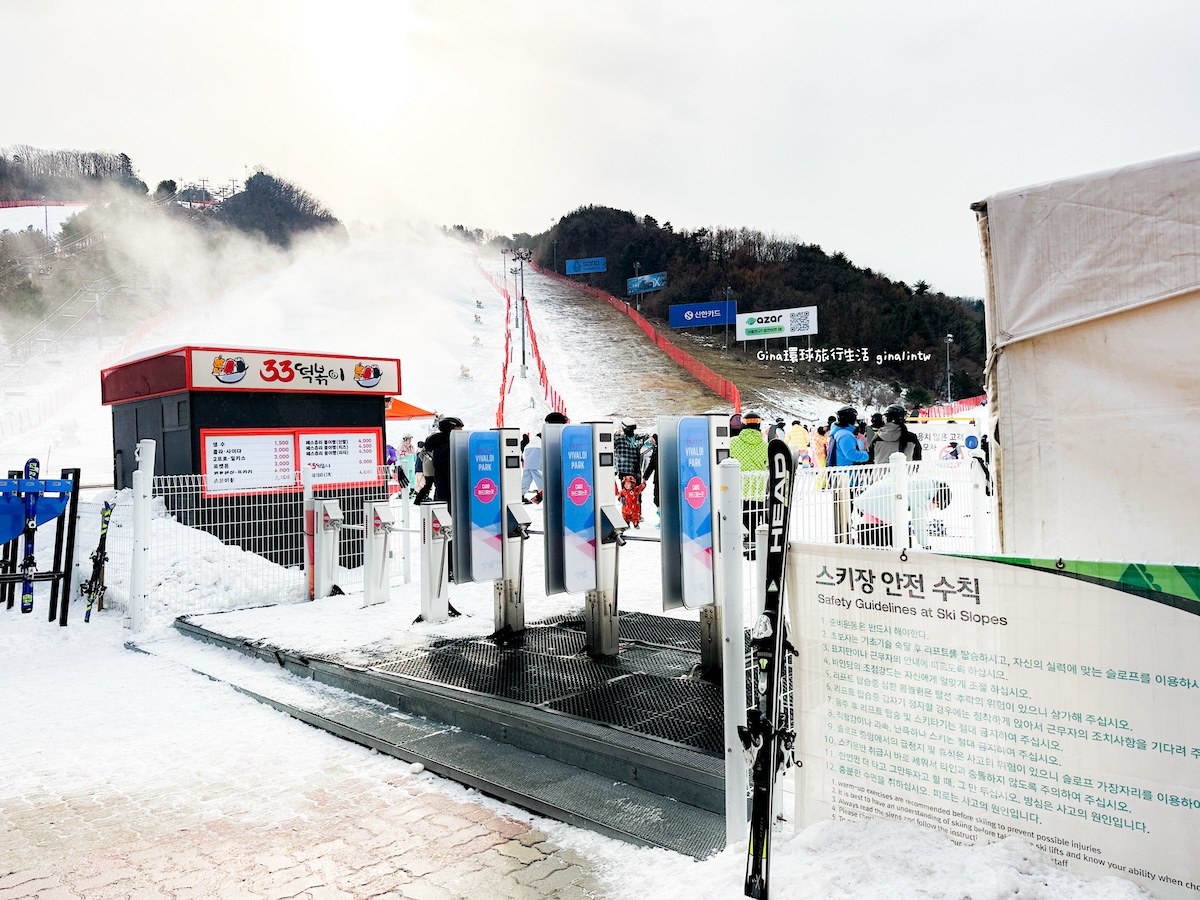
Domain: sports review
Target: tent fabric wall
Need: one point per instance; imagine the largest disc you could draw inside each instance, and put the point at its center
(1093, 372)
(1084, 247)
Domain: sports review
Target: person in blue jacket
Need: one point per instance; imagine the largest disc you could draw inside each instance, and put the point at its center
(843, 444)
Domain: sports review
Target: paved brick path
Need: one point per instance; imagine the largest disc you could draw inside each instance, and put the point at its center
(126, 775)
(357, 838)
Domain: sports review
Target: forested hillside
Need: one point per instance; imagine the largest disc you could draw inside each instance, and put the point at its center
(117, 246)
(856, 307)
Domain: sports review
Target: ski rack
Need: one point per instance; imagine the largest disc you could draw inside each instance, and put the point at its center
(12, 492)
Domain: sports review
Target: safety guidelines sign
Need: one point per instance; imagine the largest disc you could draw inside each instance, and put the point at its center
(988, 697)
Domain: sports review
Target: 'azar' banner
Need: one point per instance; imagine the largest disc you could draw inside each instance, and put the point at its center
(777, 323)
(997, 696)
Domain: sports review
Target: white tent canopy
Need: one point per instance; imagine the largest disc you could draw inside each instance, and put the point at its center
(1093, 316)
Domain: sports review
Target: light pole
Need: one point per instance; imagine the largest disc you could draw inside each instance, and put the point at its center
(555, 256)
(949, 341)
(523, 254)
(728, 299)
(504, 255)
(637, 273)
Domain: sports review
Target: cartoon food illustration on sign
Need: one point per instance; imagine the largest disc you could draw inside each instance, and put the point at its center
(229, 370)
(367, 374)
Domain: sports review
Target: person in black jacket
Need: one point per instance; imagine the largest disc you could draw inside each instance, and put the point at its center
(895, 437)
(438, 447)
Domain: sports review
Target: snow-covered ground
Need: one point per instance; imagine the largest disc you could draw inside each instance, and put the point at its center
(84, 714)
(39, 218)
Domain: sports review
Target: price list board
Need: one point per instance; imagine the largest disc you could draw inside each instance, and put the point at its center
(247, 462)
(346, 456)
(996, 697)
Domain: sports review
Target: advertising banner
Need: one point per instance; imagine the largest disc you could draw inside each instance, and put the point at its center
(777, 323)
(695, 512)
(277, 370)
(644, 284)
(689, 315)
(579, 509)
(583, 266)
(483, 480)
(995, 696)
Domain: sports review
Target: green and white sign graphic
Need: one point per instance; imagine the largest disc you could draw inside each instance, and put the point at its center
(777, 323)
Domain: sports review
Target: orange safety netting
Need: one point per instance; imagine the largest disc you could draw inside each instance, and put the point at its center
(716, 383)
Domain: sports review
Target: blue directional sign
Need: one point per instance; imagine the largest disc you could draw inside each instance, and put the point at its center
(583, 266)
(644, 284)
(689, 315)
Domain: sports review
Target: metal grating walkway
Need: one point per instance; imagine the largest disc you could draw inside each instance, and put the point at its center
(628, 745)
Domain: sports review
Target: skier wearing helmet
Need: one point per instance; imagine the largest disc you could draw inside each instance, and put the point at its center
(894, 437)
(843, 445)
(437, 445)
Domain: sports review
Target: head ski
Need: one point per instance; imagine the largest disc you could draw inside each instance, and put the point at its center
(93, 588)
(766, 742)
(33, 469)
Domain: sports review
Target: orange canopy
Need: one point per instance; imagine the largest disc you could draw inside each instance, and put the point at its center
(398, 409)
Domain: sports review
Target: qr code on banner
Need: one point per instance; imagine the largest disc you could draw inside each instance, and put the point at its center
(799, 321)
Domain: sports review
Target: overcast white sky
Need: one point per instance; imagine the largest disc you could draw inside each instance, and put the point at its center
(866, 126)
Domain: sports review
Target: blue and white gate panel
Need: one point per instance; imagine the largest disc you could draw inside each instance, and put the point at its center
(695, 513)
(487, 515)
(579, 509)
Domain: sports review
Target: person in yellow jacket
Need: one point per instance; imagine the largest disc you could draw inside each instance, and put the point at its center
(797, 438)
(750, 449)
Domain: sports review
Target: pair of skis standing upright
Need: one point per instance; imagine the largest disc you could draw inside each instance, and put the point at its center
(93, 588)
(765, 738)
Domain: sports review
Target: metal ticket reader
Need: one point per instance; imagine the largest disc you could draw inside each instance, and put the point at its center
(378, 523)
(690, 449)
(584, 525)
(328, 536)
(485, 498)
(437, 530)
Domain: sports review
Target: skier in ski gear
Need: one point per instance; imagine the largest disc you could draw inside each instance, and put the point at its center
(843, 442)
(894, 436)
(532, 474)
(749, 449)
(627, 460)
(627, 452)
(437, 446)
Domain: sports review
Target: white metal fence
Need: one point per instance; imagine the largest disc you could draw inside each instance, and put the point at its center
(207, 551)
